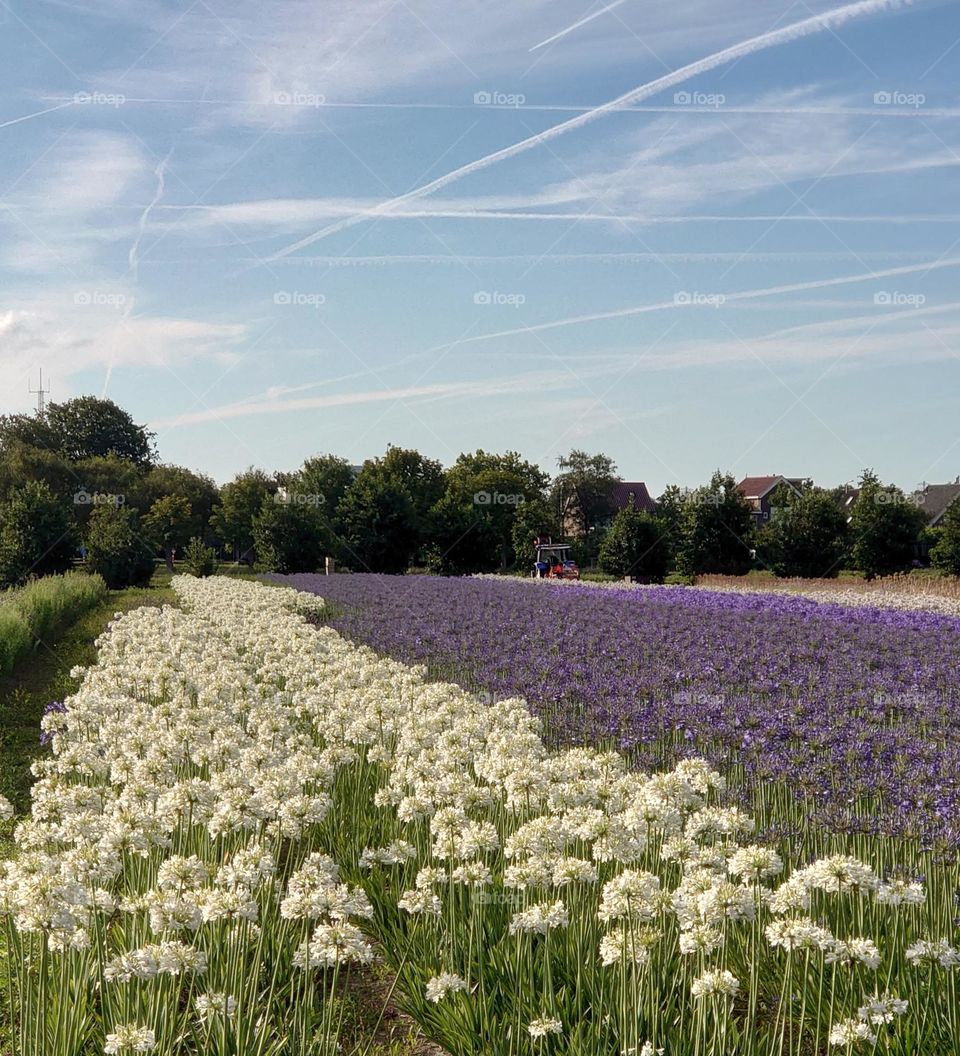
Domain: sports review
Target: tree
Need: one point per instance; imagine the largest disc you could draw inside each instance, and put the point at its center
(945, 555)
(884, 528)
(196, 488)
(582, 488)
(635, 546)
(380, 527)
(116, 546)
(717, 529)
(806, 533)
(88, 426)
(199, 560)
(462, 541)
(287, 536)
(385, 515)
(496, 488)
(37, 535)
(170, 522)
(20, 462)
(240, 502)
(101, 480)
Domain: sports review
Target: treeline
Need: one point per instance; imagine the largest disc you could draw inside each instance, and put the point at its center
(85, 481)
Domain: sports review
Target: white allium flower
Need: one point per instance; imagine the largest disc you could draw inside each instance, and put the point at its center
(936, 951)
(573, 871)
(798, 934)
(880, 1010)
(333, 944)
(631, 945)
(716, 982)
(851, 1031)
(128, 1037)
(849, 951)
(755, 862)
(6, 809)
(443, 984)
(211, 1005)
(420, 901)
(540, 1028)
(701, 938)
(900, 893)
(632, 894)
(540, 918)
(840, 873)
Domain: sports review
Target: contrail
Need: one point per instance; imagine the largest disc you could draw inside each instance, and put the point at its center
(577, 25)
(741, 295)
(36, 113)
(132, 257)
(815, 24)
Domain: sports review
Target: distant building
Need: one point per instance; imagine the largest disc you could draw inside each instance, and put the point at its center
(619, 498)
(936, 499)
(758, 491)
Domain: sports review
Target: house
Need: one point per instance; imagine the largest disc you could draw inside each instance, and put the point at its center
(758, 491)
(619, 498)
(936, 499)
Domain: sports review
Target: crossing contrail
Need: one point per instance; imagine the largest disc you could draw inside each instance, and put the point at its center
(576, 25)
(680, 302)
(815, 24)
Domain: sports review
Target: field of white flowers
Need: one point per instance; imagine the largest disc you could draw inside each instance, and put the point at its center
(243, 809)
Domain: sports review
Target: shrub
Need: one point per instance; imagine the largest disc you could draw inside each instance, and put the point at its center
(199, 560)
(38, 610)
(116, 547)
(36, 534)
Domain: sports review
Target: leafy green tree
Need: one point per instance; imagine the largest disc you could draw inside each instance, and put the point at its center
(380, 526)
(672, 516)
(884, 527)
(461, 541)
(325, 477)
(497, 487)
(945, 555)
(287, 536)
(102, 480)
(240, 502)
(20, 462)
(636, 546)
(37, 535)
(717, 529)
(196, 488)
(806, 534)
(169, 521)
(582, 489)
(117, 547)
(385, 517)
(82, 428)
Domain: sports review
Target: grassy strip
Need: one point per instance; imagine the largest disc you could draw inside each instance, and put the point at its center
(37, 611)
(44, 676)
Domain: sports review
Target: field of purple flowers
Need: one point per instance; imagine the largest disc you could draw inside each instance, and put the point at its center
(855, 710)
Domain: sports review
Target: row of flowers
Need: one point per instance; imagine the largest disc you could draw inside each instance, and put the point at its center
(241, 808)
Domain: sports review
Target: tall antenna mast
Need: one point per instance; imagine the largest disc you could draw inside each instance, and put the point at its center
(40, 393)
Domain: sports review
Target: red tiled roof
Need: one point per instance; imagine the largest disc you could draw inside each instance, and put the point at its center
(756, 487)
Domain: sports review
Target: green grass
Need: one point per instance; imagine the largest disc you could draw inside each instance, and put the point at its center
(36, 612)
(43, 675)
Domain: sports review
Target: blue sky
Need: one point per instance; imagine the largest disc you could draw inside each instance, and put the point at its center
(206, 214)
